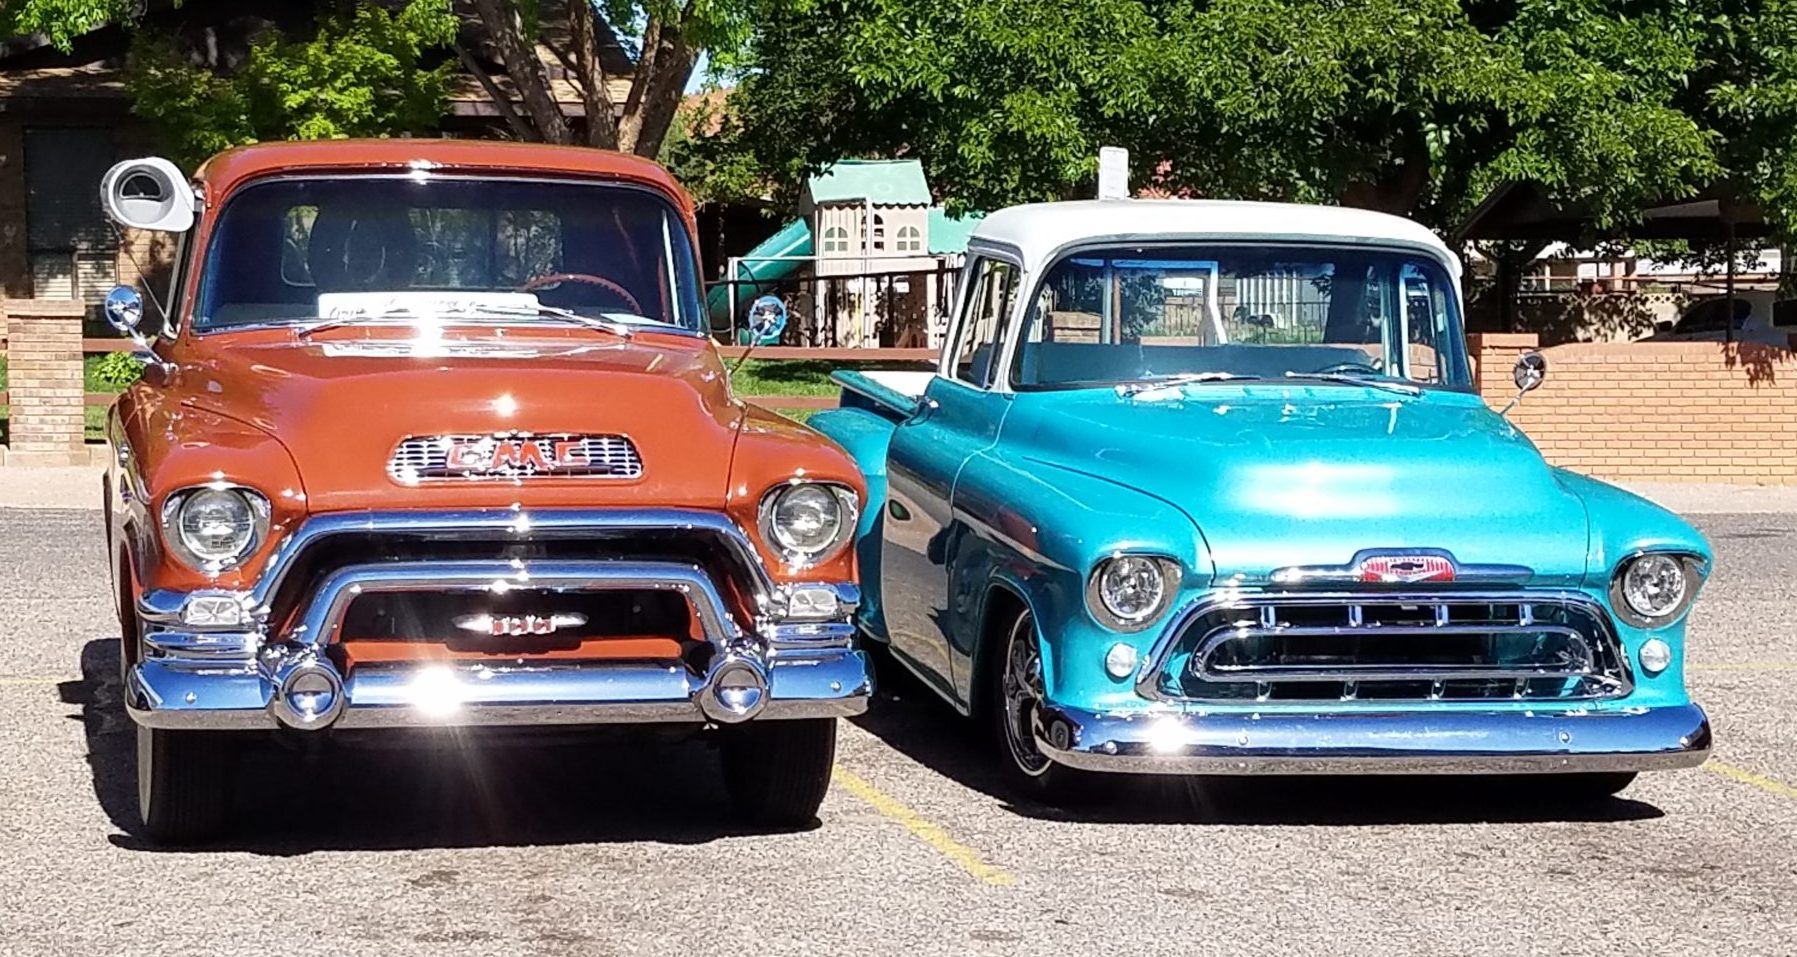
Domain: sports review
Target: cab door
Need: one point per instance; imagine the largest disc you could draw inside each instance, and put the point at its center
(958, 417)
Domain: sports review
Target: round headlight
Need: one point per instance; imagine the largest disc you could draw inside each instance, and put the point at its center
(806, 522)
(1653, 589)
(1129, 592)
(214, 528)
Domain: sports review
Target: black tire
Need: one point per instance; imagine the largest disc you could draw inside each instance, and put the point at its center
(1013, 679)
(1583, 788)
(183, 782)
(777, 772)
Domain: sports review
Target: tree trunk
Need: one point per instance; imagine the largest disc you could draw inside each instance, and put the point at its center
(519, 54)
(661, 74)
(602, 119)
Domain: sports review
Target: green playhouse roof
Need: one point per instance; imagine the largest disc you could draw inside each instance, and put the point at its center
(887, 182)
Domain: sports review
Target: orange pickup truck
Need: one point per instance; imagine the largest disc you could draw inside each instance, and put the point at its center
(432, 433)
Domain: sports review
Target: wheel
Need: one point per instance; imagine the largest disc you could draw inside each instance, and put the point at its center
(777, 772)
(183, 779)
(1013, 695)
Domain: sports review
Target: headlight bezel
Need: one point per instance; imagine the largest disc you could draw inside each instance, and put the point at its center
(848, 510)
(1171, 573)
(1694, 568)
(169, 519)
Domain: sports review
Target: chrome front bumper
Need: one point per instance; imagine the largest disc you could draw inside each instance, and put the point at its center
(242, 676)
(821, 685)
(1403, 742)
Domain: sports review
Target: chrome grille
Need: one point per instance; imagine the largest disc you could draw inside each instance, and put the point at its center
(426, 458)
(1392, 648)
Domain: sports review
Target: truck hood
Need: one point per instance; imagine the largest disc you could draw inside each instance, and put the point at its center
(1309, 476)
(343, 402)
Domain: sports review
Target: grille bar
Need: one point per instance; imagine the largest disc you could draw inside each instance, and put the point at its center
(1386, 647)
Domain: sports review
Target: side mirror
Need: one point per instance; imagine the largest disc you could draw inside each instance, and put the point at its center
(148, 193)
(1530, 372)
(125, 310)
(125, 313)
(767, 319)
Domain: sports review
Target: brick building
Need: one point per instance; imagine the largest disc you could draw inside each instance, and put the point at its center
(66, 117)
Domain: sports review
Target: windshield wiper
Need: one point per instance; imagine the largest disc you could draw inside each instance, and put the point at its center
(1174, 381)
(612, 326)
(1345, 378)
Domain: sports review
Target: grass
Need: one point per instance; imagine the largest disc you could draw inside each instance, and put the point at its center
(773, 377)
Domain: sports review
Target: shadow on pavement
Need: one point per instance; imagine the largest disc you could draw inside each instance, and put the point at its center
(918, 724)
(424, 791)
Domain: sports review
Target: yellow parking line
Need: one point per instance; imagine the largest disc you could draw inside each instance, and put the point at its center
(892, 809)
(32, 680)
(1747, 666)
(1748, 777)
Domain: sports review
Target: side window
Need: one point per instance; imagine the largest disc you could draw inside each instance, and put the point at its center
(988, 305)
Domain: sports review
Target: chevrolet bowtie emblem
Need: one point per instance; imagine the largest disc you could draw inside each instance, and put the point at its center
(1406, 569)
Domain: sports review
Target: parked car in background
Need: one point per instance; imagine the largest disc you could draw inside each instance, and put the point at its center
(1757, 316)
(1205, 488)
(434, 436)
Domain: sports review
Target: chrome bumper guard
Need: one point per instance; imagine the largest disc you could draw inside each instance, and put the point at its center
(1401, 742)
(241, 679)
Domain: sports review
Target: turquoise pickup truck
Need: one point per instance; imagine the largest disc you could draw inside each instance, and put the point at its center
(1205, 488)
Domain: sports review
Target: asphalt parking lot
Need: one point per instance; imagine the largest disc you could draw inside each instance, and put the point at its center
(596, 848)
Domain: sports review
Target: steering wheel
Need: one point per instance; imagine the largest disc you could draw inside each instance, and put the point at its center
(558, 278)
(1352, 366)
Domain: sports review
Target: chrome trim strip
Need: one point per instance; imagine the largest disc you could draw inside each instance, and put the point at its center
(1147, 684)
(1432, 741)
(318, 623)
(522, 525)
(1205, 668)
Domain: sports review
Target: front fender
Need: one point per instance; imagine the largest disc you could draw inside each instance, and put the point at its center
(1623, 524)
(1039, 530)
(168, 446)
(865, 435)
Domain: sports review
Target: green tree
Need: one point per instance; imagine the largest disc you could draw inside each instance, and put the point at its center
(361, 74)
(61, 21)
(1416, 107)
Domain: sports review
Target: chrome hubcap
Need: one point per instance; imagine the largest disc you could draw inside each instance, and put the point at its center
(1022, 688)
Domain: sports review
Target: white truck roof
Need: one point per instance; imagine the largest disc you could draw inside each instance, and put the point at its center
(1040, 230)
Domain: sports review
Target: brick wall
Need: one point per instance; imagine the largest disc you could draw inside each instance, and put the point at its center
(45, 388)
(1655, 411)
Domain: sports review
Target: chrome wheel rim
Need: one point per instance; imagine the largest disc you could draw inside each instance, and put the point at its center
(1022, 690)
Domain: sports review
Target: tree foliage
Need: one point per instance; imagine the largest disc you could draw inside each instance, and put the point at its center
(360, 74)
(1412, 106)
(61, 21)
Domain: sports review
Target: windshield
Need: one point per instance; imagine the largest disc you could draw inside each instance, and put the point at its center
(1119, 315)
(298, 250)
